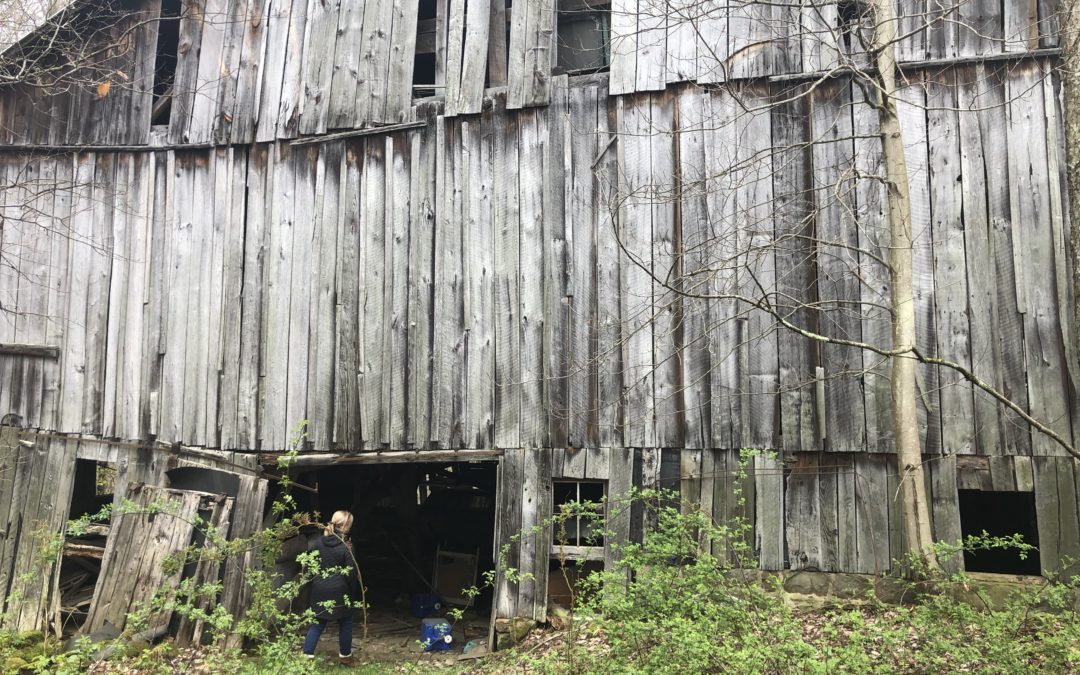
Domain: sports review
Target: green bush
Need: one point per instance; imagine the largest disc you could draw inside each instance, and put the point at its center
(678, 603)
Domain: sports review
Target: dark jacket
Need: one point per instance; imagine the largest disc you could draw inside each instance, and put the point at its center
(334, 587)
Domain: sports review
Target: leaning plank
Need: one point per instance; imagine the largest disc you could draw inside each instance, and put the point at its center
(624, 47)
(532, 41)
(128, 580)
(342, 93)
(402, 58)
(212, 70)
(272, 68)
(373, 68)
(291, 101)
(216, 513)
(185, 82)
(320, 43)
(454, 46)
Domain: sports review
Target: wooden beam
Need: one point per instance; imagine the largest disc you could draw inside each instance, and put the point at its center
(915, 66)
(398, 457)
(369, 131)
(44, 351)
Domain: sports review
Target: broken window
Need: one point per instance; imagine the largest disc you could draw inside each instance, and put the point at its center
(93, 488)
(424, 82)
(851, 16)
(578, 532)
(84, 545)
(582, 36)
(1000, 514)
(165, 58)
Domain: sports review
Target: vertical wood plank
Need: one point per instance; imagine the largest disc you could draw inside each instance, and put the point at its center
(950, 273)
(635, 224)
(507, 299)
(532, 185)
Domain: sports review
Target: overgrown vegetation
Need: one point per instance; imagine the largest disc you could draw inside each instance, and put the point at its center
(680, 601)
(271, 627)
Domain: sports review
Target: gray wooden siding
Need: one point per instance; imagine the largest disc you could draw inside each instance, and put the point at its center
(499, 281)
(259, 70)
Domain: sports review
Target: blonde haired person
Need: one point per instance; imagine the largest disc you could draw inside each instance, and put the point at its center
(329, 593)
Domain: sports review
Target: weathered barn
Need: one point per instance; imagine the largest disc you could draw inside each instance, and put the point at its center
(464, 234)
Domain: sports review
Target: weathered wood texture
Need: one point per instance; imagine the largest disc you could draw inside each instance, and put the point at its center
(36, 479)
(158, 523)
(96, 89)
(654, 43)
(843, 512)
(264, 69)
(509, 280)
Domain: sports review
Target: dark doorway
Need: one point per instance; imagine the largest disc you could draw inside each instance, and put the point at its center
(1000, 514)
(421, 532)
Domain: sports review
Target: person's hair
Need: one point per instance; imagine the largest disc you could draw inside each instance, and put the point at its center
(340, 524)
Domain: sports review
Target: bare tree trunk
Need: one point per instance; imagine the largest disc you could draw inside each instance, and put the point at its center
(904, 412)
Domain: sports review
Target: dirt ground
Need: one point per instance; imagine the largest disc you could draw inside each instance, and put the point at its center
(393, 637)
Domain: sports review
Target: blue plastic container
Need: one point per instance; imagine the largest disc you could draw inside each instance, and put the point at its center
(436, 635)
(423, 605)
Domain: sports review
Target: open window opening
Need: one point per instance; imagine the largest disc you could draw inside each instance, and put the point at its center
(84, 544)
(850, 16)
(1000, 514)
(421, 534)
(582, 35)
(165, 58)
(424, 63)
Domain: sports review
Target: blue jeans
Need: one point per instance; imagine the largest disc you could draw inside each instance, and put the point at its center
(344, 636)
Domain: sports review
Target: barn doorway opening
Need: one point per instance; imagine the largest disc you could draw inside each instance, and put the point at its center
(422, 533)
(1000, 514)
